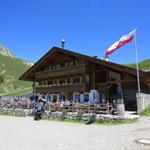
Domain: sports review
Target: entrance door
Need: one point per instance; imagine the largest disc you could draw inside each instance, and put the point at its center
(55, 97)
(86, 97)
(113, 91)
(62, 97)
(77, 97)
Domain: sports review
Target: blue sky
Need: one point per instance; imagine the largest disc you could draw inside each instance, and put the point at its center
(31, 27)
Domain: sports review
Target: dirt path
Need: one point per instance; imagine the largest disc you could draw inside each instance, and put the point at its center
(25, 134)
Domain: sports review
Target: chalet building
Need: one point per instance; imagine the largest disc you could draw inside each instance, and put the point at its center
(63, 74)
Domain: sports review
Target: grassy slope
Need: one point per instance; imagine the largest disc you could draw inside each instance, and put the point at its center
(18, 92)
(13, 67)
(144, 65)
(146, 112)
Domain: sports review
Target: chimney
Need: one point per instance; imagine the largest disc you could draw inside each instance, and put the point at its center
(106, 58)
(95, 56)
(63, 43)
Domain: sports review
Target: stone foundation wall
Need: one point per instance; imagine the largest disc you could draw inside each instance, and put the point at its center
(62, 115)
(143, 101)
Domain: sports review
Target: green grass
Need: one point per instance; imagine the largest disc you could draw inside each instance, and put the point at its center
(144, 65)
(115, 122)
(146, 112)
(1, 90)
(13, 67)
(64, 120)
(18, 92)
(111, 123)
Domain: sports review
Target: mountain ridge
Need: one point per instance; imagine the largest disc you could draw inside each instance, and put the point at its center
(5, 51)
(11, 68)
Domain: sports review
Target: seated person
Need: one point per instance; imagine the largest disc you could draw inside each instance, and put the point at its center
(114, 106)
(67, 102)
(57, 103)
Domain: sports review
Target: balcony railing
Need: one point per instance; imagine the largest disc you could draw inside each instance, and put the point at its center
(65, 71)
(62, 88)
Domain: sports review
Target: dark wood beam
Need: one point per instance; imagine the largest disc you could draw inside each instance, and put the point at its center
(107, 79)
(101, 70)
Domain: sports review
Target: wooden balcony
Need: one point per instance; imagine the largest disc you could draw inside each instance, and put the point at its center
(59, 72)
(62, 88)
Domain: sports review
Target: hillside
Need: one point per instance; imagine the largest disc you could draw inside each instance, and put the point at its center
(143, 65)
(10, 69)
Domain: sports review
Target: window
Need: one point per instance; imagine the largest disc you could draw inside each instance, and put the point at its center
(55, 81)
(76, 80)
(86, 79)
(71, 63)
(86, 97)
(77, 97)
(66, 63)
(49, 82)
(62, 65)
(50, 67)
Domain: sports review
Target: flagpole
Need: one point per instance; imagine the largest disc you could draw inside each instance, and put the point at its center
(137, 66)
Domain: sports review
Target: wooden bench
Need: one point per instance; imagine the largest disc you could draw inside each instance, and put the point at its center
(102, 108)
(82, 107)
(92, 108)
(68, 108)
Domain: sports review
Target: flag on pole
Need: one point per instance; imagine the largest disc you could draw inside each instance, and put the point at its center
(123, 41)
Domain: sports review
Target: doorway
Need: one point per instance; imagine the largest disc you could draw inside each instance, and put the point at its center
(113, 92)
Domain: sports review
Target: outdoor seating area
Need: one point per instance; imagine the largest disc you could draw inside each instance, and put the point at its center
(27, 103)
(86, 108)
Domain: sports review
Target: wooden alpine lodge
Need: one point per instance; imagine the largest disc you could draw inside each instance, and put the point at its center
(63, 74)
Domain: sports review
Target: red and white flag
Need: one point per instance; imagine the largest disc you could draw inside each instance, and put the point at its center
(123, 41)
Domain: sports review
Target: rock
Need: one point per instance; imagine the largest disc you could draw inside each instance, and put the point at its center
(72, 116)
(6, 52)
(91, 118)
(79, 115)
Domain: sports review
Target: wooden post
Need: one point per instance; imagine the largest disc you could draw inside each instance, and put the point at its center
(66, 81)
(71, 80)
(107, 89)
(80, 79)
(93, 77)
(33, 85)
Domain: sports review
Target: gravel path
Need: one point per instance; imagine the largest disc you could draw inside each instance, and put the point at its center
(25, 134)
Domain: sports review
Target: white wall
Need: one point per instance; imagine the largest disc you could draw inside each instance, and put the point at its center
(143, 101)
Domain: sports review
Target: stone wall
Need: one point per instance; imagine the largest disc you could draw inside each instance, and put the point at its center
(63, 115)
(16, 112)
(143, 101)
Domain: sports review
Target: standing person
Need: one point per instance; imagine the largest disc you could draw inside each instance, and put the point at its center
(39, 109)
(33, 102)
(57, 104)
(1, 99)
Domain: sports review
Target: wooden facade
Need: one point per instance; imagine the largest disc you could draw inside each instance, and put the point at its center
(64, 72)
